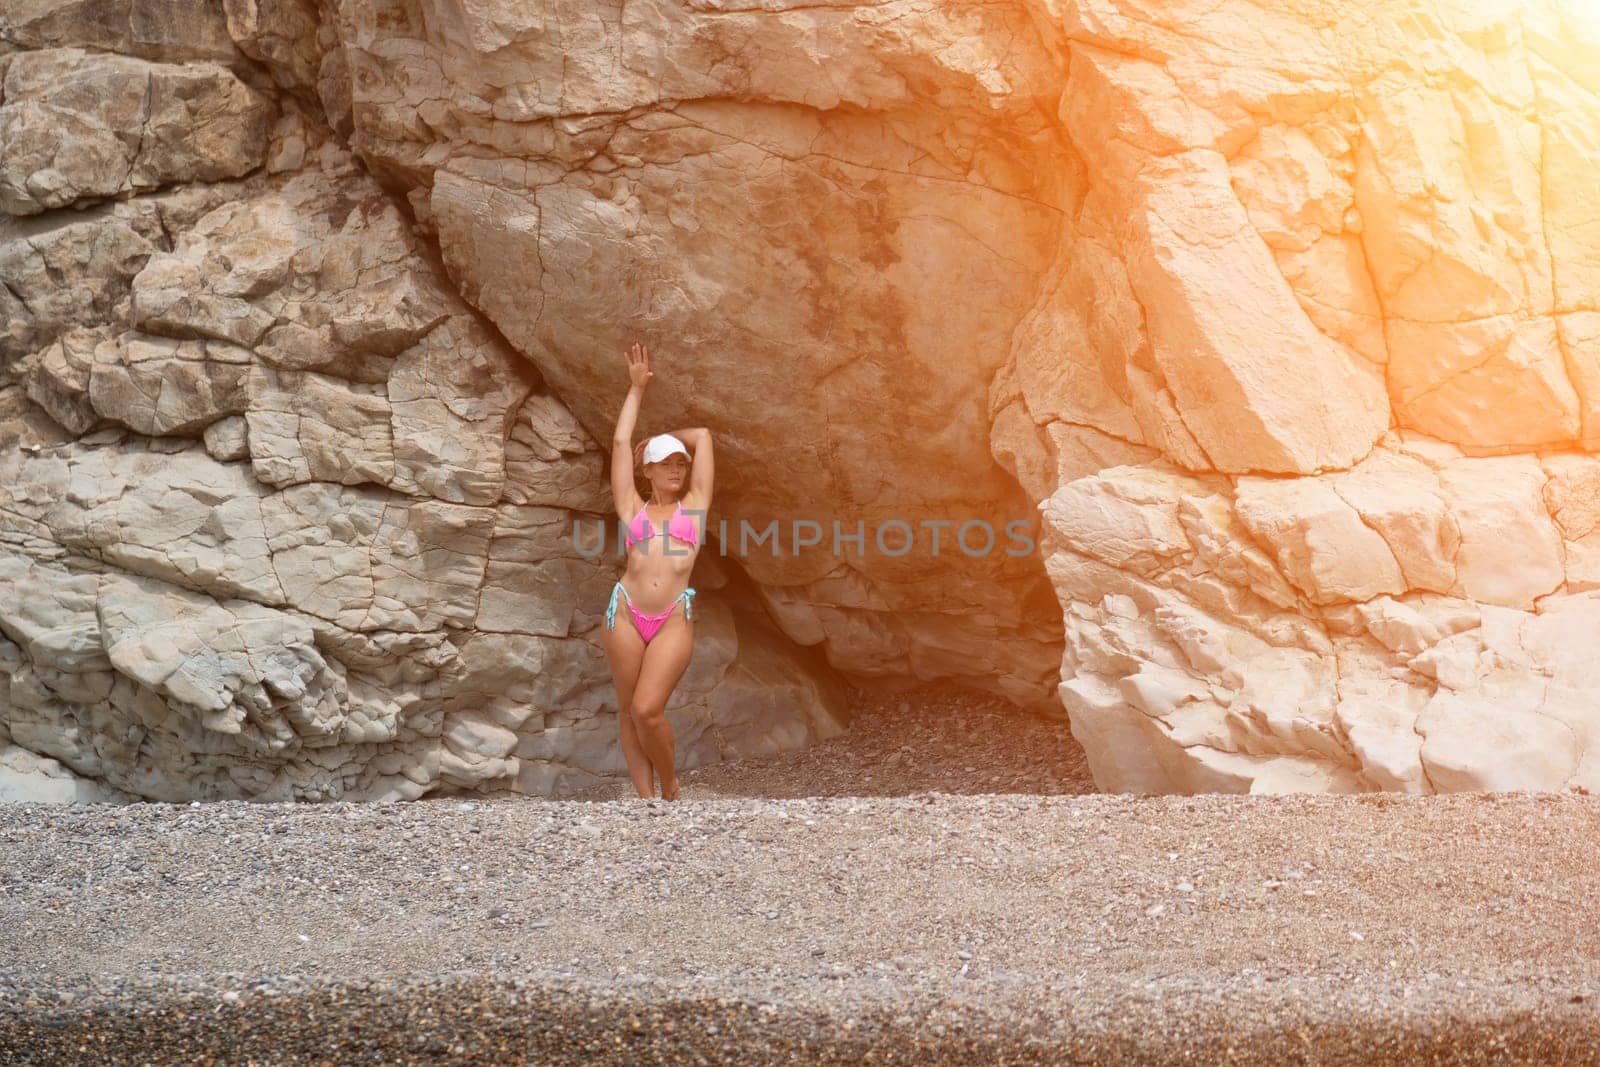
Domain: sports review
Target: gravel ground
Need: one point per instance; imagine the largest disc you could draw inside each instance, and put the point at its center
(923, 928)
(936, 738)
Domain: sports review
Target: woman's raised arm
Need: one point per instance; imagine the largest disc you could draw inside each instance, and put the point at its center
(623, 494)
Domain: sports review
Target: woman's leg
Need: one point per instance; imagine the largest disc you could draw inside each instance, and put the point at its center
(625, 652)
(665, 660)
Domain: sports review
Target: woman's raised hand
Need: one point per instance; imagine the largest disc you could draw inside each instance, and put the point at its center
(639, 371)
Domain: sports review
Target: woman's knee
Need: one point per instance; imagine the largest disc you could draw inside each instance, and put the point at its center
(646, 713)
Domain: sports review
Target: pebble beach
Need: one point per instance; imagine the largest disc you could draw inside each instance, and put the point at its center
(978, 905)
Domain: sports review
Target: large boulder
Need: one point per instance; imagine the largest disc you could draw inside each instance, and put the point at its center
(1309, 396)
(76, 125)
(166, 30)
(826, 223)
(282, 518)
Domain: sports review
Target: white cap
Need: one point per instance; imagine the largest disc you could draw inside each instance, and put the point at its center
(661, 446)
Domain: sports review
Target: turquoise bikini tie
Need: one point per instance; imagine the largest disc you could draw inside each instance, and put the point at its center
(611, 609)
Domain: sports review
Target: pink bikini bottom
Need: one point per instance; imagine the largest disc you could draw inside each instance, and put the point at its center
(647, 625)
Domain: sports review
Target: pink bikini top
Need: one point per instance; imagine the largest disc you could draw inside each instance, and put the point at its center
(680, 526)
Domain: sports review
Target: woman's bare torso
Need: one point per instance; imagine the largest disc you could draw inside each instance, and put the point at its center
(658, 567)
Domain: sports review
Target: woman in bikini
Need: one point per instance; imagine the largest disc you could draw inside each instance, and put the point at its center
(648, 644)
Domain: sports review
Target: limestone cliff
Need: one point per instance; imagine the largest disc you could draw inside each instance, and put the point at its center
(281, 516)
(1278, 321)
(1309, 396)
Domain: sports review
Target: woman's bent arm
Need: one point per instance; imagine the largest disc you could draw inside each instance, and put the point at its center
(701, 472)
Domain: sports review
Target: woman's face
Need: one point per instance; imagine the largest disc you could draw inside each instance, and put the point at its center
(669, 474)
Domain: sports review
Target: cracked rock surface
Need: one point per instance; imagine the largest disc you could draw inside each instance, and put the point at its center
(1276, 322)
(282, 517)
(1307, 396)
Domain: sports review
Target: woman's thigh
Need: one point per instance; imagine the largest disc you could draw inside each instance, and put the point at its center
(666, 657)
(625, 651)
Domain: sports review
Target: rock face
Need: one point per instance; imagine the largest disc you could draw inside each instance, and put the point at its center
(78, 125)
(1309, 397)
(1276, 322)
(827, 223)
(281, 517)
